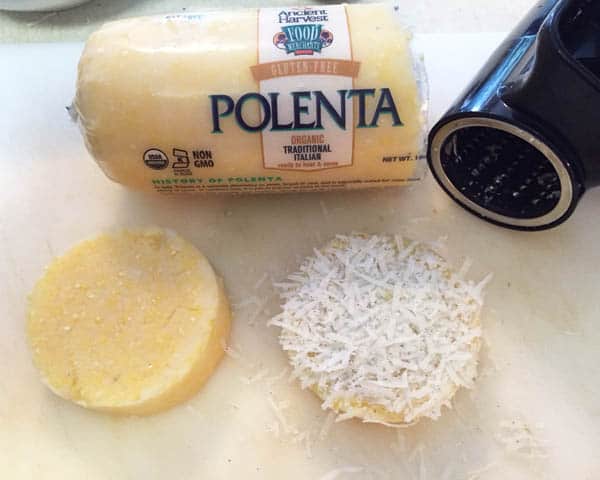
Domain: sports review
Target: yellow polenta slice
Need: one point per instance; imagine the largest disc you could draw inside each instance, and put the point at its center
(131, 322)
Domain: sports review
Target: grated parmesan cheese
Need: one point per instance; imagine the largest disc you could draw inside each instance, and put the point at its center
(381, 328)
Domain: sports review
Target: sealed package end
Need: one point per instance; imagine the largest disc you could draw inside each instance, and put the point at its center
(269, 100)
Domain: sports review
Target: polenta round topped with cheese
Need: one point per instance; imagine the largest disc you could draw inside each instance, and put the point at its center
(381, 328)
(131, 322)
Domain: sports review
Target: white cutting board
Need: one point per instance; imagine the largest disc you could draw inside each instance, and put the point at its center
(540, 368)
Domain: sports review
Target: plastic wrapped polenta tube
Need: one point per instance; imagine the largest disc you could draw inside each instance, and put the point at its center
(268, 100)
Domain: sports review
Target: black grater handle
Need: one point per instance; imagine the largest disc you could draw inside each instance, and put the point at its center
(522, 142)
(562, 86)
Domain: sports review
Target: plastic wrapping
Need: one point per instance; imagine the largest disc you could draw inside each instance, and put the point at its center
(269, 100)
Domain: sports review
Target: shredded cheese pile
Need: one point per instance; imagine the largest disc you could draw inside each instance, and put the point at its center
(381, 328)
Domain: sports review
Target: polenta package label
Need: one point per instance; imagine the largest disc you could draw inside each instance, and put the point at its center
(308, 106)
(312, 127)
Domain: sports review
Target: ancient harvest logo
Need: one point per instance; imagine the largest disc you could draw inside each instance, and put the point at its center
(303, 39)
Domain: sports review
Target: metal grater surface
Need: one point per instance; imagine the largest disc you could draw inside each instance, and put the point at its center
(500, 172)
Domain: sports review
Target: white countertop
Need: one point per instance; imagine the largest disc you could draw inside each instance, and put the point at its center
(539, 373)
(427, 16)
(532, 415)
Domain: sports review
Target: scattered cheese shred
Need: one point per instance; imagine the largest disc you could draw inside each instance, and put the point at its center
(259, 309)
(326, 427)
(400, 444)
(336, 473)
(270, 381)
(477, 474)
(256, 377)
(381, 328)
(519, 438)
(260, 281)
(252, 300)
(324, 209)
(278, 409)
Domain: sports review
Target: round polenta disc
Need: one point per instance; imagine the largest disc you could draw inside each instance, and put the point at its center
(131, 322)
(381, 328)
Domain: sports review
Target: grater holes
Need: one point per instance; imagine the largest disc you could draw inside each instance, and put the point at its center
(500, 172)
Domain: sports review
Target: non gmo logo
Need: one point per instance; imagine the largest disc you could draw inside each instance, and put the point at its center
(303, 39)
